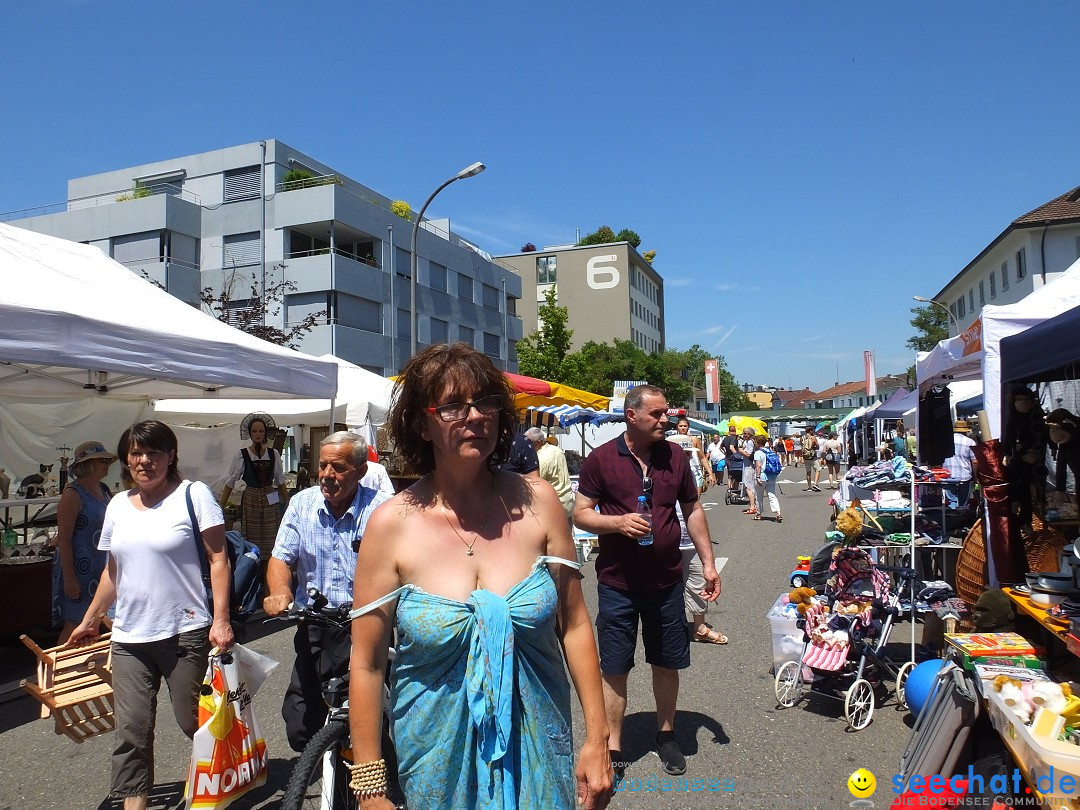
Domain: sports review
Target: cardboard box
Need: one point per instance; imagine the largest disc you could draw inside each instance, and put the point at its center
(988, 672)
(977, 645)
(968, 662)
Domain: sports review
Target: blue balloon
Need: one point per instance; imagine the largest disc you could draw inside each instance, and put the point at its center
(921, 684)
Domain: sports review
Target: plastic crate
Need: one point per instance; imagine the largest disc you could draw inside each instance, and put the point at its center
(1044, 761)
(787, 638)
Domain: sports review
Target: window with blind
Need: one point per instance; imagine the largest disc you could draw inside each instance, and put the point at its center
(242, 184)
(440, 331)
(466, 335)
(241, 250)
(437, 276)
(404, 325)
(490, 296)
(465, 288)
(137, 247)
(491, 345)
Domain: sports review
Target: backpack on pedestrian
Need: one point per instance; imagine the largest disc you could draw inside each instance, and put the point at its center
(245, 583)
(772, 467)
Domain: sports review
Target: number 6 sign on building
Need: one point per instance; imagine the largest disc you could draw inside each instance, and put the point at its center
(601, 276)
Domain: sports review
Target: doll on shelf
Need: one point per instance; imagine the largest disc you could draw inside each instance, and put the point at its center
(1063, 427)
(1023, 447)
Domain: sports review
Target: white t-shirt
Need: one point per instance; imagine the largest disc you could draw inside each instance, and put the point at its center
(759, 458)
(159, 586)
(377, 478)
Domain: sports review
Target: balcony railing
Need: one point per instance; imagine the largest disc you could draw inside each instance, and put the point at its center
(109, 198)
(310, 182)
(300, 254)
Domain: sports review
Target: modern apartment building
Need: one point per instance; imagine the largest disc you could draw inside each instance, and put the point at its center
(226, 217)
(1031, 251)
(609, 291)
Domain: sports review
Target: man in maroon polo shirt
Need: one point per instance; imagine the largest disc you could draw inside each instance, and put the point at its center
(638, 583)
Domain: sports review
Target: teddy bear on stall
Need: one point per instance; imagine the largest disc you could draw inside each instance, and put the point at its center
(850, 524)
(803, 599)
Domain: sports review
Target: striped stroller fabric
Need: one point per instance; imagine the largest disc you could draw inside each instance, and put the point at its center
(821, 654)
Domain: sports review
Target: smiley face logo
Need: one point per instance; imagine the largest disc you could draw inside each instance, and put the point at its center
(861, 783)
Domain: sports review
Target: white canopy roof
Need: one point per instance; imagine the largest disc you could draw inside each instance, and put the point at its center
(362, 397)
(73, 321)
(977, 351)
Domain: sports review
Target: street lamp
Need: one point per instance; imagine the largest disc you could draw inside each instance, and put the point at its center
(468, 171)
(948, 311)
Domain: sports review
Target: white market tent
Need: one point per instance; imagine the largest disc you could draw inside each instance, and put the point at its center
(977, 352)
(72, 320)
(78, 330)
(363, 397)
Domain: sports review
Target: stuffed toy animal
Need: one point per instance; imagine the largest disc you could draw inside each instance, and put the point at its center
(850, 524)
(802, 598)
(1049, 695)
(1012, 694)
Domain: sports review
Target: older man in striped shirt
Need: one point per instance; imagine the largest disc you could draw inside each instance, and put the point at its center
(318, 538)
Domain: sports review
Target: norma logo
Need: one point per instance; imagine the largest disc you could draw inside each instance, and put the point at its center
(599, 273)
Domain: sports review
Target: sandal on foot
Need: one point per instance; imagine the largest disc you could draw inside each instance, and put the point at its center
(756, 517)
(710, 636)
(779, 518)
(670, 754)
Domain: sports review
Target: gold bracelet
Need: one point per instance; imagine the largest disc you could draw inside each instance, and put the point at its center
(368, 779)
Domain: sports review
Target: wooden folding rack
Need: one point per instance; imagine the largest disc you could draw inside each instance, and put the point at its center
(74, 685)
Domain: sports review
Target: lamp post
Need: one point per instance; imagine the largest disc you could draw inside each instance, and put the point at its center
(948, 311)
(468, 171)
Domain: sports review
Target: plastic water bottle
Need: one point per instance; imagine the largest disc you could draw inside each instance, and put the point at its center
(644, 510)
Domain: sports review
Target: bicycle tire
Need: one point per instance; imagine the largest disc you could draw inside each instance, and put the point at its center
(304, 790)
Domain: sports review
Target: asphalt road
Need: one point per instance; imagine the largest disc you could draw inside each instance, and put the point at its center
(745, 751)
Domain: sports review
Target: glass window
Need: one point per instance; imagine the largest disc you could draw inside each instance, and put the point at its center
(241, 249)
(952, 309)
(358, 313)
(490, 296)
(466, 335)
(491, 345)
(971, 300)
(404, 325)
(1021, 264)
(1004, 276)
(961, 310)
(993, 286)
(546, 269)
(982, 293)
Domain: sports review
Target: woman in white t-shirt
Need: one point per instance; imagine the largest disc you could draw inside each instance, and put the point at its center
(162, 626)
(833, 455)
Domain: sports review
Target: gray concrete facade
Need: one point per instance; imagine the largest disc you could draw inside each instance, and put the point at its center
(609, 291)
(195, 221)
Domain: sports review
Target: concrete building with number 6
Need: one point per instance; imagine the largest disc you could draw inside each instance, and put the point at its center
(609, 291)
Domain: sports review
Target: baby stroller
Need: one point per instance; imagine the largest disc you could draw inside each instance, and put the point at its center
(736, 494)
(845, 634)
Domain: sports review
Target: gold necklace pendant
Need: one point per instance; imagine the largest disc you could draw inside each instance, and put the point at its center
(470, 543)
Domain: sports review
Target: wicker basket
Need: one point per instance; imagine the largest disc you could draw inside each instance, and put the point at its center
(1043, 548)
(972, 572)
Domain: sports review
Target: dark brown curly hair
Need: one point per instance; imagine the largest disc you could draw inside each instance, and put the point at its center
(462, 372)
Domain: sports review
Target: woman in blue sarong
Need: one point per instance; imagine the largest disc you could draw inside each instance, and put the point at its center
(476, 568)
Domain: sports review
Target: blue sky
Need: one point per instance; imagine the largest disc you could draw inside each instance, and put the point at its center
(801, 168)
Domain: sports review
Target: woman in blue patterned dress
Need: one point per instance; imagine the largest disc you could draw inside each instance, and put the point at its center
(477, 570)
(79, 516)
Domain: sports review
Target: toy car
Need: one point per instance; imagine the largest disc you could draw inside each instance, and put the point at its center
(801, 575)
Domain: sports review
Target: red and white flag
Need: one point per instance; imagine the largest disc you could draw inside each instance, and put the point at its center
(712, 381)
(871, 375)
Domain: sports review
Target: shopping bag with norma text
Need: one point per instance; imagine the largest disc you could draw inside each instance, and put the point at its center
(228, 753)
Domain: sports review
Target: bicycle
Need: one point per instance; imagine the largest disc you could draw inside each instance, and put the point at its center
(320, 778)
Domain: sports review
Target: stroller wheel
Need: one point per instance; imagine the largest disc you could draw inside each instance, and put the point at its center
(901, 684)
(859, 705)
(788, 684)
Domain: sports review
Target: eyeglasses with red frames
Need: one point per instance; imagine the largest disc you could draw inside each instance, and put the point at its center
(453, 411)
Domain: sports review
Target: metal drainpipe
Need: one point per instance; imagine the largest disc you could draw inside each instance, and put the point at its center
(332, 299)
(262, 226)
(393, 302)
(506, 326)
(1042, 253)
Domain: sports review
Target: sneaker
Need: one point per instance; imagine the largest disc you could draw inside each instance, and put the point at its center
(816, 488)
(670, 754)
(808, 489)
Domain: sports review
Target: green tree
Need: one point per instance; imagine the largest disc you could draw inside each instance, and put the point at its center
(543, 353)
(627, 235)
(932, 324)
(601, 236)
